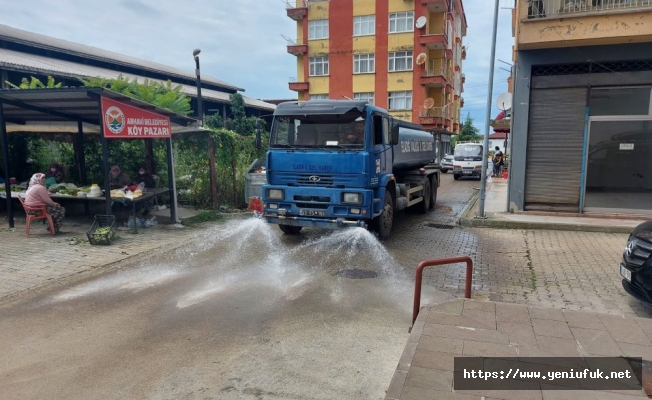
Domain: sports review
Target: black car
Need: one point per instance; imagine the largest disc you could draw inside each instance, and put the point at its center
(636, 267)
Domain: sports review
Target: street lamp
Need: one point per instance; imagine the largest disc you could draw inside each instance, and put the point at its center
(200, 112)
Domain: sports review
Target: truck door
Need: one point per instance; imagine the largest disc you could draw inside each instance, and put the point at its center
(382, 155)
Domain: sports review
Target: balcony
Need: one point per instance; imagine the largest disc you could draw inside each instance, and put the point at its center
(461, 101)
(296, 48)
(433, 76)
(500, 125)
(299, 11)
(435, 118)
(545, 24)
(298, 86)
(434, 40)
(567, 8)
(436, 6)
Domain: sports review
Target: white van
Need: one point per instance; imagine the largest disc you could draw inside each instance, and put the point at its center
(468, 160)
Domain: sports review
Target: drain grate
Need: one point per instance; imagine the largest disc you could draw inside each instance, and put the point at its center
(356, 274)
(441, 226)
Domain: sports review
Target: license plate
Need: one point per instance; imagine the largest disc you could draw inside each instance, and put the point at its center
(312, 213)
(466, 172)
(625, 273)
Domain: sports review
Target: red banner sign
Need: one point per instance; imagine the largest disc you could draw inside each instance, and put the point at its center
(124, 121)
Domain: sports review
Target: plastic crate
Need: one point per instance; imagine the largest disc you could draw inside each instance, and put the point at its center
(103, 238)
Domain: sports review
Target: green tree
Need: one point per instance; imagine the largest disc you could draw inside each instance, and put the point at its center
(163, 95)
(239, 122)
(469, 131)
(35, 83)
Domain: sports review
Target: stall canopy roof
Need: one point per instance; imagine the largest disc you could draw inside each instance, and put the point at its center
(59, 110)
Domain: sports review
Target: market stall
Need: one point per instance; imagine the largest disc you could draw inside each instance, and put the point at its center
(84, 111)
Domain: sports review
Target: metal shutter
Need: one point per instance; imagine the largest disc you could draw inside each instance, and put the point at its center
(554, 149)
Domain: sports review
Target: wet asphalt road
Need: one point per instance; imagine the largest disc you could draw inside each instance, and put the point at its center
(244, 313)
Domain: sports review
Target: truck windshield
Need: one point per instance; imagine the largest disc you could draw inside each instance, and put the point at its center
(468, 150)
(319, 131)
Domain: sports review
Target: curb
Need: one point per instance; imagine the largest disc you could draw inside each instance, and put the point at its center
(502, 224)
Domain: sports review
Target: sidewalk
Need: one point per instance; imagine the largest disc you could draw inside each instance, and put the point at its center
(471, 328)
(42, 260)
(497, 216)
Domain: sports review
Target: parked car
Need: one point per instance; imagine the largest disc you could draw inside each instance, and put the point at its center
(447, 163)
(636, 267)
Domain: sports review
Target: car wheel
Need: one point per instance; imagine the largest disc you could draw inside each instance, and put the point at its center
(444, 170)
(456, 176)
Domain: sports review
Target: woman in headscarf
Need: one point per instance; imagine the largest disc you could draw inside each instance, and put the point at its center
(37, 195)
(56, 172)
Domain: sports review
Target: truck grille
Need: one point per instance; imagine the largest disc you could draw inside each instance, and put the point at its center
(324, 180)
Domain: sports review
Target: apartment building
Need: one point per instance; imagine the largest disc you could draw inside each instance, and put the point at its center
(402, 55)
(582, 116)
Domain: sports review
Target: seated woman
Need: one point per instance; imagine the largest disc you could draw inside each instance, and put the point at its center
(37, 195)
(118, 179)
(144, 177)
(56, 172)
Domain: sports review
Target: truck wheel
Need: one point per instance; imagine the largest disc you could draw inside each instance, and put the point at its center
(433, 192)
(456, 176)
(424, 205)
(290, 230)
(384, 221)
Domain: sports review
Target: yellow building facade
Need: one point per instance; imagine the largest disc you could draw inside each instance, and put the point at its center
(404, 56)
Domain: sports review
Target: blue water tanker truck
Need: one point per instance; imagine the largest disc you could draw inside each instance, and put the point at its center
(341, 163)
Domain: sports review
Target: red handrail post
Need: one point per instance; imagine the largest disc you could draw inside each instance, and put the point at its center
(441, 261)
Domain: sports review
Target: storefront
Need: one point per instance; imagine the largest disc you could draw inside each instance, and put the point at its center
(582, 137)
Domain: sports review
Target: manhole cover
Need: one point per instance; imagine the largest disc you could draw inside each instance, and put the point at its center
(356, 274)
(441, 226)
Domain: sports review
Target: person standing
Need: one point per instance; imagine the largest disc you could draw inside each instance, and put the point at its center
(37, 195)
(498, 162)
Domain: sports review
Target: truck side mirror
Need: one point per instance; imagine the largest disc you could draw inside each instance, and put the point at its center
(394, 133)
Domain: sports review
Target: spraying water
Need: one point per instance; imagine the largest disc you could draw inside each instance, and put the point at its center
(246, 254)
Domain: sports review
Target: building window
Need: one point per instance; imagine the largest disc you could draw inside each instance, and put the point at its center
(400, 100)
(318, 29)
(319, 96)
(318, 66)
(401, 22)
(400, 61)
(364, 25)
(363, 63)
(368, 97)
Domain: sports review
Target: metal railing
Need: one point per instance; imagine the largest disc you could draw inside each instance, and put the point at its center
(434, 68)
(554, 8)
(468, 283)
(294, 42)
(435, 112)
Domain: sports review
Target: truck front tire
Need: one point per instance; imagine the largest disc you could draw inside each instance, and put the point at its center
(383, 222)
(290, 229)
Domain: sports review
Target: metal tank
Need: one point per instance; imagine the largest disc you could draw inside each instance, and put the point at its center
(415, 149)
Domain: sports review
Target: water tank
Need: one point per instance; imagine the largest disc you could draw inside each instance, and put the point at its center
(415, 149)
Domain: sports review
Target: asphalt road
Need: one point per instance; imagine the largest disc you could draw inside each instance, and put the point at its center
(248, 313)
(244, 313)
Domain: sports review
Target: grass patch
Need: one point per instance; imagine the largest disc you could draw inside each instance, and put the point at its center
(203, 216)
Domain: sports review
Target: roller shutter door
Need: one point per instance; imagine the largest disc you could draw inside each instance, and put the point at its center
(554, 149)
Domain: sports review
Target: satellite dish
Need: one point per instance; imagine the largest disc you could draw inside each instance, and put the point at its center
(428, 103)
(504, 102)
(421, 22)
(421, 58)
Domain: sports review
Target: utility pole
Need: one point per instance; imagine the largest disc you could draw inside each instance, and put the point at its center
(492, 62)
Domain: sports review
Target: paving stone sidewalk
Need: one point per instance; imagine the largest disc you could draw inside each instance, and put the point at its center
(28, 264)
(488, 329)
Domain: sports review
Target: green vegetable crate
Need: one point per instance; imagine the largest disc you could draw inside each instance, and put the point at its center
(102, 231)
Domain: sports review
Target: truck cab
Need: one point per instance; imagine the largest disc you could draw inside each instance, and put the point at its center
(330, 165)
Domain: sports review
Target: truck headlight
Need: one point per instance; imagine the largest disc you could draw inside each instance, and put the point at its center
(276, 194)
(352, 198)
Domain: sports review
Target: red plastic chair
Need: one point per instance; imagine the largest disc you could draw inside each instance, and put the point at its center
(35, 213)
